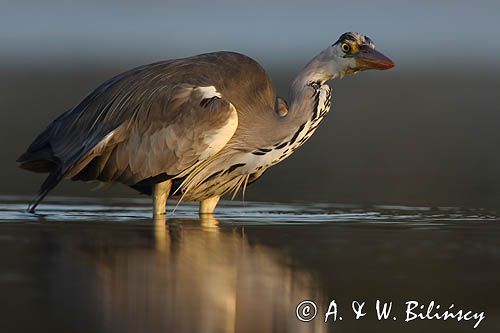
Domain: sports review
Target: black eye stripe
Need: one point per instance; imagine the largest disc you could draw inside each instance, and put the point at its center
(350, 38)
(346, 37)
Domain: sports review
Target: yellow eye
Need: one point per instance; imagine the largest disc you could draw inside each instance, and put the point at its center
(345, 47)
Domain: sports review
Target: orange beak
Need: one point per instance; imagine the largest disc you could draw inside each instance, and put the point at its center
(368, 58)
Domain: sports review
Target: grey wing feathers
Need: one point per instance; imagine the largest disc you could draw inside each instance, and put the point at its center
(182, 128)
(125, 131)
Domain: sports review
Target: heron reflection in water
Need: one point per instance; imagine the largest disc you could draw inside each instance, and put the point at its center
(187, 279)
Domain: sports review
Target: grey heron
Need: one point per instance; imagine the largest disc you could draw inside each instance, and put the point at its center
(192, 128)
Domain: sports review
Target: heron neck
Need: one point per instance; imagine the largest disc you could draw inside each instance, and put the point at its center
(318, 71)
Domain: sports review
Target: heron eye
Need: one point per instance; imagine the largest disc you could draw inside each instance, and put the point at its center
(345, 47)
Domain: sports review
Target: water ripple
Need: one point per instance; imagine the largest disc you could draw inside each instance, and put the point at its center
(75, 209)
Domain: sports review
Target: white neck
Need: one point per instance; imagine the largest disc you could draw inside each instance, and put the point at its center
(318, 71)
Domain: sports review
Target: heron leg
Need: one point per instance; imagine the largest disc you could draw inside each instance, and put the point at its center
(207, 206)
(160, 196)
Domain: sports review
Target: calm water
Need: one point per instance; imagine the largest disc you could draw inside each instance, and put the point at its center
(88, 265)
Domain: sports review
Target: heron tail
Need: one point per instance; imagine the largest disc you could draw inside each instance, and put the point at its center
(50, 182)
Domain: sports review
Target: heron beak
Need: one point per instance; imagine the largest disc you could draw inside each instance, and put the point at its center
(368, 58)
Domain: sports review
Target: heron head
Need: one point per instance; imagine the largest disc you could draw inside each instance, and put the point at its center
(354, 52)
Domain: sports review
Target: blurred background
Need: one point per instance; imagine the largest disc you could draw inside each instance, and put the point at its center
(424, 133)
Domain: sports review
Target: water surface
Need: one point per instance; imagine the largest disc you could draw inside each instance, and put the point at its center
(102, 265)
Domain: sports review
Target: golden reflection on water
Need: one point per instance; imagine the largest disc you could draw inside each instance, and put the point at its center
(98, 270)
(199, 279)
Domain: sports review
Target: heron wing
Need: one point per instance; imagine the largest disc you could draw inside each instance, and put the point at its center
(139, 138)
(106, 135)
(181, 125)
